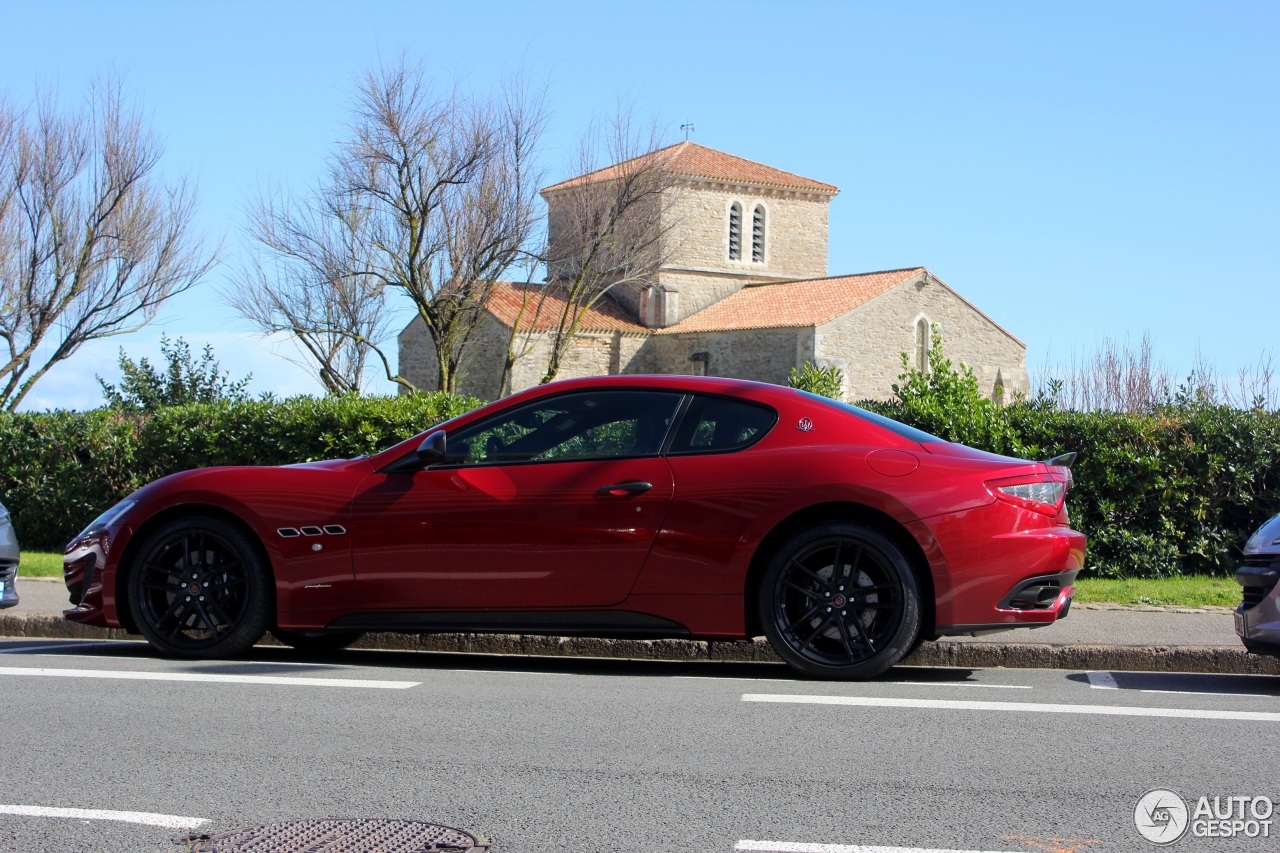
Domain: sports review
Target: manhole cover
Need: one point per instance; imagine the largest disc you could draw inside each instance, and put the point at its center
(341, 836)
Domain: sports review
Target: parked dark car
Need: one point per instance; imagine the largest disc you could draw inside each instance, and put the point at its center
(8, 561)
(624, 506)
(1258, 616)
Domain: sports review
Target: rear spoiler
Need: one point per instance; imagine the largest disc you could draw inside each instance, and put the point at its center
(1064, 460)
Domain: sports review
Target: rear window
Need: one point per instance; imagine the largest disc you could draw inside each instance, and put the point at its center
(910, 433)
(719, 424)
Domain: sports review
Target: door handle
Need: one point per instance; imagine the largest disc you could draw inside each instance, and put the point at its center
(631, 487)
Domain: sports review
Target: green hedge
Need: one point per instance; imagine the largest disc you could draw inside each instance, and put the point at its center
(58, 470)
(1175, 492)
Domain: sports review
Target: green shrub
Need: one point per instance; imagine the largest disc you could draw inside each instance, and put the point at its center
(1177, 492)
(58, 470)
(184, 380)
(827, 381)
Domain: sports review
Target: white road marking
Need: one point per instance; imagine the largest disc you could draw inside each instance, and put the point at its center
(1102, 681)
(288, 664)
(1024, 707)
(735, 678)
(168, 821)
(507, 672)
(215, 678)
(801, 847)
(1203, 693)
(904, 683)
(961, 684)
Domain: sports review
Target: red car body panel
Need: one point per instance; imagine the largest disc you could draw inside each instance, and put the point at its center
(552, 539)
(531, 537)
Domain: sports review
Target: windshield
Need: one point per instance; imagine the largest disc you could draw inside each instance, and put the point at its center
(911, 433)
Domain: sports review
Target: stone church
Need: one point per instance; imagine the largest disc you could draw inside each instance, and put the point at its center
(744, 293)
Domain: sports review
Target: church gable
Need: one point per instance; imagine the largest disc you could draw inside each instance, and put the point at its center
(698, 161)
(866, 343)
(727, 222)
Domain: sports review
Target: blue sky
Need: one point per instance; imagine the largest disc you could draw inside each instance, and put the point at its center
(1079, 170)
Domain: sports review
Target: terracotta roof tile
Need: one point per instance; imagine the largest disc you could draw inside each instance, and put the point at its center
(699, 161)
(544, 305)
(809, 302)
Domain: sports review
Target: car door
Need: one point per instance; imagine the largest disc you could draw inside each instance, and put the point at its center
(718, 494)
(551, 504)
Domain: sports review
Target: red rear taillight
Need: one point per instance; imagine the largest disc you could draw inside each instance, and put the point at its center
(1042, 493)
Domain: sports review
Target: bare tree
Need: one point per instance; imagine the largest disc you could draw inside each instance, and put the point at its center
(1116, 377)
(431, 197)
(92, 243)
(302, 281)
(1125, 377)
(612, 230)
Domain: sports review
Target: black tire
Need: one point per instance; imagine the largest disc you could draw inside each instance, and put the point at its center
(317, 641)
(199, 589)
(840, 600)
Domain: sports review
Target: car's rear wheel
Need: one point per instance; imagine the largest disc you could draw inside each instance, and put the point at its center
(316, 641)
(840, 600)
(199, 589)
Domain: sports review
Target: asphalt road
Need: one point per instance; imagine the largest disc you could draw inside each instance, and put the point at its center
(582, 755)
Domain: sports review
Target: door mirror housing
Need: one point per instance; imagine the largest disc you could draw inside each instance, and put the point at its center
(432, 450)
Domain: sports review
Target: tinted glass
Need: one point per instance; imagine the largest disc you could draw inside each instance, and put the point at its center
(714, 424)
(587, 425)
(911, 433)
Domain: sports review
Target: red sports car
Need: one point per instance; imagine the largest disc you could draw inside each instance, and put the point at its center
(626, 506)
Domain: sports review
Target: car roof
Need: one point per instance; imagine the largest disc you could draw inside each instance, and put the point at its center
(704, 384)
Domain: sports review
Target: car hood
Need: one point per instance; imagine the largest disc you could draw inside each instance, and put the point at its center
(1266, 540)
(324, 464)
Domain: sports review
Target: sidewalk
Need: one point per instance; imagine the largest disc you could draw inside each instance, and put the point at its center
(1093, 636)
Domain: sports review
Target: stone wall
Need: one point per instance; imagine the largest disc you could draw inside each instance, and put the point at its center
(592, 354)
(866, 343)
(764, 355)
(695, 291)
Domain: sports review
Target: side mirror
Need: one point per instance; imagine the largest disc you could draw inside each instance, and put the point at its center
(432, 449)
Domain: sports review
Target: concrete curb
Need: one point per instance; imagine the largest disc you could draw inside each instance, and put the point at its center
(948, 653)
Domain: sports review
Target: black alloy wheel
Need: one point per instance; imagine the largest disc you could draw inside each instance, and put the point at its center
(199, 589)
(840, 600)
(316, 641)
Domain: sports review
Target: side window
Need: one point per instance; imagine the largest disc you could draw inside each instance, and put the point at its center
(585, 425)
(718, 424)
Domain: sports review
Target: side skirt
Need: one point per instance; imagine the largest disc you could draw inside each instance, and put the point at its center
(621, 624)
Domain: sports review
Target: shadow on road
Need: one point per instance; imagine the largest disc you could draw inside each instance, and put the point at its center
(1187, 682)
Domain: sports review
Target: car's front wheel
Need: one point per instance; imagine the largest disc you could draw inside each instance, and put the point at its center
(199, 589)
(840, 600)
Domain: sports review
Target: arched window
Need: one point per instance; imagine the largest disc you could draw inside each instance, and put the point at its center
(922, 345)
(757, 234)
(735, 232)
